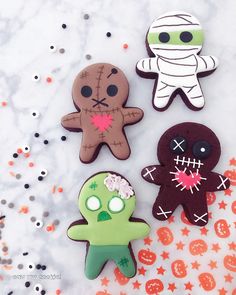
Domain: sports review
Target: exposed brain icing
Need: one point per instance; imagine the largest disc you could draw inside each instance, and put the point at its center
(174, 41)
(107, 202)
(99, 93)
(187, 153)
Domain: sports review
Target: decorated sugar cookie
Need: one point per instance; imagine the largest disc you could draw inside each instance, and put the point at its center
(107, 202)
(187, 153)
(174, 41)
(99, 93)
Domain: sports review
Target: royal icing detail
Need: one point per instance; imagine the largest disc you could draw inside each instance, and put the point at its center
(175, 39)
(99, 93)
(187, 152)
(105, 218)
(116, 183)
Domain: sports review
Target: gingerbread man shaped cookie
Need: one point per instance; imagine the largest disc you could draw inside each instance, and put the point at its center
(174, 41)
(187, 153)
(107, 202)
(99, 93)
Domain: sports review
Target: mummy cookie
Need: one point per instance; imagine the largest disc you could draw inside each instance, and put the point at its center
(187, 153)
(174, 42)
(107, 202)
(99, 93)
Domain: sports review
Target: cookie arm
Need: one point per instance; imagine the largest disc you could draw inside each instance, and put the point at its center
(78, 232)
(132, 115)
(71, 121)
(206, 63)
(138, 230)
(154, 174)
(217, 182)
(148, 65)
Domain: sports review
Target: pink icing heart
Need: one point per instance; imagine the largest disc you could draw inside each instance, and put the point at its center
(188, 181)
(102, 122)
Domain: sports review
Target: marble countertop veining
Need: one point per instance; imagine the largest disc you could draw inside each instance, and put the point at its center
(27, 29)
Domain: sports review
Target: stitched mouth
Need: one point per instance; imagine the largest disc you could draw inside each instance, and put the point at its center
(188, 161)
(100, 102)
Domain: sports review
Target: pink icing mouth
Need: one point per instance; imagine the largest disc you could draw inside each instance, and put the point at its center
(188, 181)
(102, 122)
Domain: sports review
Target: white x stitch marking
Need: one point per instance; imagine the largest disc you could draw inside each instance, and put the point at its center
(163, 212)
(178, 145)
(200, 217)
(149, 172)
(222, 182)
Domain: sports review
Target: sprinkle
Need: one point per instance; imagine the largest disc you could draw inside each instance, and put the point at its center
(43, 267)
(19, 151)
(15, 155)
(54, 189)
(10, 163)
(125, 46)
(33, 219)
(50, 228)
(27, 284)
(43, 292)
(49, 80)
(20, 266)
(12, 173)
(63, 26)
(32, 198)
(18, 176)
(10, 293)
(31, 164)
(56, 222)
(24, 209)
(46, 141)
(38, 266)
(63, 138)
(25, 253)
(88, 56)
(45, 214)
(11, 205)
(36, 134)
(60, 189)
(40, 178)
(26, 185)
(108, 34)
(62, 50)
(3, 202)
(2, 217)
(58, 292)
(4, 104)
(4, 249)
(86, 16)
(27, 155)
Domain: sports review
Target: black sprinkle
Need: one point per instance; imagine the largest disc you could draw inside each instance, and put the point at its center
(36, 134)
(26, 185)
(63, 26)
(86, 16)
(43, 292)
(10, 293)
(27, 284)
(2, 217)
(108, 34)
(25, 253)
(38, 266)
(15, 155)
(44, 267)
(63, 138)
(46, 141)
(40, 178)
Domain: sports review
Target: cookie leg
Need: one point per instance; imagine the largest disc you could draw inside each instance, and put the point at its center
(88, 151)
(165, 204)
(95, 261)
(196, 210)
(194, 95)
(124, 261)
(163, 94)
(119, 146)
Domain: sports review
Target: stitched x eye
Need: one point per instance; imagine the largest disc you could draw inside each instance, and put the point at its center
(201, 149)
(178, 145)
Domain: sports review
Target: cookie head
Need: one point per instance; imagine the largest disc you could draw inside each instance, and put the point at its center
(106, 198)
(100, 87)
(189, 145)
(175, 35)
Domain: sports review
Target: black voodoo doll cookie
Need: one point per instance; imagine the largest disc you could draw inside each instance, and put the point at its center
(187, 153)
(99, 93)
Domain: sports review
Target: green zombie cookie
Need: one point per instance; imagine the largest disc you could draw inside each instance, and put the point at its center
(107, 202)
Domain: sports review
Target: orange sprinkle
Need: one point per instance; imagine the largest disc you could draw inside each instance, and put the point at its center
(58, 292)
(10, 163)
(60, 189)
(19, 151)
(12, 173)
(49, 79)
(54, 189)
(24, 209)
(50, 228)
(27, 155)
(125, 45)
(31, 164)
(4, 103)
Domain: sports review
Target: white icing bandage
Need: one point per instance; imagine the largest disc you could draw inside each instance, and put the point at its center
(116, 183)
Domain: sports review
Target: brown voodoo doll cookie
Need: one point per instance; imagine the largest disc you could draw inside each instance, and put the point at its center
(99, 93)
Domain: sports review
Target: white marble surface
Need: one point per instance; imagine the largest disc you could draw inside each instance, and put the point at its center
(27, 29)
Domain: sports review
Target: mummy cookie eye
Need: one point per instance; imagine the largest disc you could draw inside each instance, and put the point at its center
(44, 172)
(38, 224)
(178, 145)
(38, 288)
(52, 48)
(186, 37)
(86, 91)
(201, 149)
(116, 205)
(36, 77)
(112, 90)
(93, 203)
(26, 149)
(31, 266)
(164, 37)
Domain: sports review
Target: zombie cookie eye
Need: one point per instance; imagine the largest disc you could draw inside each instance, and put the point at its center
(178, 145)
(53, 48)
(38, 288)
(201, 149)
(164, 37)
(93, 203)
(112, 90)
(86, 91)
(186, 37)
(38, 224)
(116, 205)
